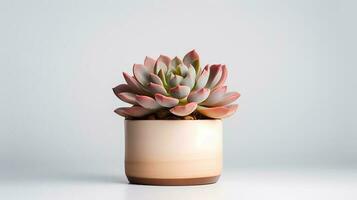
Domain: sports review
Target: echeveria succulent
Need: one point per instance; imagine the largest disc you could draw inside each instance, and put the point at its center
(176, 89)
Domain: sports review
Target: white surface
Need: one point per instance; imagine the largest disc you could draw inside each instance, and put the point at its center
(242, 184)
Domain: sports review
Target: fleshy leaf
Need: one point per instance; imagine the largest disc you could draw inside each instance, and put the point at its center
(133, 83)
(203, 78)
(173, 64)
(215, 96)
(192, 58)
(182, 70)
(155, 79)
(156, 88)
(127, 97)
(162, 63)
(160, 66)
(184, 110)
(218, 112)
(141, 73)
(190, 78)
(121, 88)
(163, 78)
(165, 59)
(223, 76)
(175, 80)
(135, 111)
(147, 102)
(215, 75)
(199, 95)
(180, 91)
(166, 101)
(149, 63)
(228, 98)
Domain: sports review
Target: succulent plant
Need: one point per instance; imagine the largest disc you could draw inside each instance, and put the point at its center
(176, 89)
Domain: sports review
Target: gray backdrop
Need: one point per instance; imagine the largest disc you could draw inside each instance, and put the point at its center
(294, 63)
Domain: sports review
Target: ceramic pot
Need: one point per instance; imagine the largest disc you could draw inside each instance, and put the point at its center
(173, 152)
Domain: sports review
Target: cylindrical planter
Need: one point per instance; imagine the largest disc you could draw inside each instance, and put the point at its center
(173, 152)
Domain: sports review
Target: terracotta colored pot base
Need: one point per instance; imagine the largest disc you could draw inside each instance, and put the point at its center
(178, 181)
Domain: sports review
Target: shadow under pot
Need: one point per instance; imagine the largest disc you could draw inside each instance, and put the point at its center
(173, 152)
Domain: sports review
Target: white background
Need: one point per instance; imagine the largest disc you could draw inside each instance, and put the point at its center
(294, 62)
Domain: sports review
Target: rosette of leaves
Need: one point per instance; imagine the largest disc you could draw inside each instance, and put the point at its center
(168, 88)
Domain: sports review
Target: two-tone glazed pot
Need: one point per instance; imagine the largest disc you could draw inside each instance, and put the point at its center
(173, 152)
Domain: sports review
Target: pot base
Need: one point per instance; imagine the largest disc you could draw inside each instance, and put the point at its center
(173, 182)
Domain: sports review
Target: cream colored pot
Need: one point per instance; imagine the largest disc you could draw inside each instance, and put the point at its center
(173, 152)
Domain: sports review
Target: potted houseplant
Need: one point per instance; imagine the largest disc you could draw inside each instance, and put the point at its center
(173, 130)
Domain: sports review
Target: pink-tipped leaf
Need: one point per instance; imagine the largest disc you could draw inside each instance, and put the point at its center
(203, 78)
(228, 98)
(199, 95)
(218, 112)
(155, 79)
(121, 88)
(180, 91)
(135, 111)
(166, 101)
(215, 75)
(192, 58)
(141, 73)
(164, 59)
(184, 110)
(156, 88)
(223, 78)
(133, 84)
(215, 96)
(127, 97)
(147, 102)
(149, 63)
